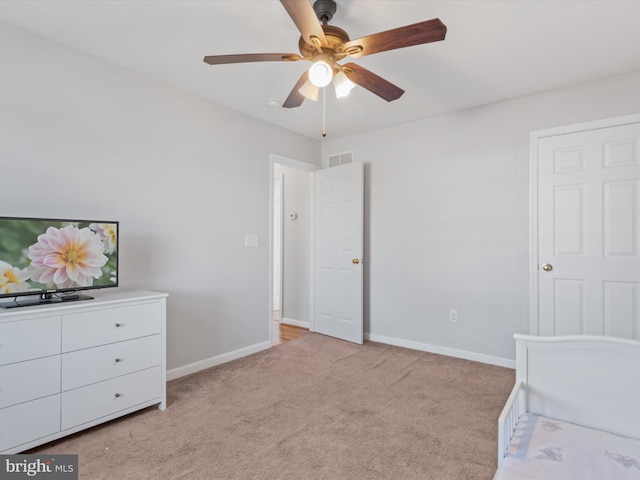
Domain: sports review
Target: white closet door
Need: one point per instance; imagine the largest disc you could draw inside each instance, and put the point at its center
(588, 232)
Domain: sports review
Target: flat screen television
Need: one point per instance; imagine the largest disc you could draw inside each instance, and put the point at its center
(49, 260)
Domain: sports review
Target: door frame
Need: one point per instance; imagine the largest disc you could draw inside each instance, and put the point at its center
(534, 137)
(306, 167)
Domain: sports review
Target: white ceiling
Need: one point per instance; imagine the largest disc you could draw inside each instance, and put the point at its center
(494, 50)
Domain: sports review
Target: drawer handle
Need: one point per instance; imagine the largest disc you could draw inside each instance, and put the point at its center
(117, 395)
(118, 360)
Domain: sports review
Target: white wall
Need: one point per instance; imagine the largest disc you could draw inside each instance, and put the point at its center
(446, 198)
(296, 245)
(81, 138)
(447, 217)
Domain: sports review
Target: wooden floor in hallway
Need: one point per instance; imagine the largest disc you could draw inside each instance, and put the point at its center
(281, 332)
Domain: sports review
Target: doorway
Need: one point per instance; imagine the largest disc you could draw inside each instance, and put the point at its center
(291, 241)
(278, 212)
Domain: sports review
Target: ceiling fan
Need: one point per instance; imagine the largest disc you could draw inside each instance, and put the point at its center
(325, 45)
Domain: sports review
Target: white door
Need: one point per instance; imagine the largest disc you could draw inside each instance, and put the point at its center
(338, 245)
(588, 232)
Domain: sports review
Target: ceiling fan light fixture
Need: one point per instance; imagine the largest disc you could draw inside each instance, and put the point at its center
(342, 85)
(309, 91)
(321, 72)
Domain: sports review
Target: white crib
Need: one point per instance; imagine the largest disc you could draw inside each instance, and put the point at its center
(574, 412)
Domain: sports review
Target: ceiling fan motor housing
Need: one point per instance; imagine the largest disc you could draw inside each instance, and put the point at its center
(336, 38)
(325, 9)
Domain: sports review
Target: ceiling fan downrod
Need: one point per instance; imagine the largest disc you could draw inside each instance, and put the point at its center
(325, 10)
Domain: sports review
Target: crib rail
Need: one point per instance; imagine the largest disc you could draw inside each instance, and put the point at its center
(513, 409)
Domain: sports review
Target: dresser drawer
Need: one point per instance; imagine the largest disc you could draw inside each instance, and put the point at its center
(24, 381)
(29, 421)
(98, 400)
(27, 339)
(100, 327)
(92, 365)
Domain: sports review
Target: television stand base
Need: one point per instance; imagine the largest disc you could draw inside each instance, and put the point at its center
(45, 299)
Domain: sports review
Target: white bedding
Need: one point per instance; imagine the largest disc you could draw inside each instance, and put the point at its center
(548, 449)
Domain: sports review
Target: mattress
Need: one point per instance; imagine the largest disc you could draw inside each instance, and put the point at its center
(548, 449)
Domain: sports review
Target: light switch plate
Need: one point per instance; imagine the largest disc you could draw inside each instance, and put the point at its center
(251, 240)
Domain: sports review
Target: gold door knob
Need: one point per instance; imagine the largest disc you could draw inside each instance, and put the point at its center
(547, 267)
(355, 261)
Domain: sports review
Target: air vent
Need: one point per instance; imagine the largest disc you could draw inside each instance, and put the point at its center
(340, 159)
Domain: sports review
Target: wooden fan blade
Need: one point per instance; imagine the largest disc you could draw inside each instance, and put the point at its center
(295, 98)
(303, 15)
(372, 82)
(252, 57)
(417, 34)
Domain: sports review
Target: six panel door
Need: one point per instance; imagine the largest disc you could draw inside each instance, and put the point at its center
(588, 232)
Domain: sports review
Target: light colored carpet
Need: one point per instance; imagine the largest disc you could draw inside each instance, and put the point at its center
(313, 408)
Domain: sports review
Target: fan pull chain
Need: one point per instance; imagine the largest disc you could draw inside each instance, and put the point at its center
(324, 112)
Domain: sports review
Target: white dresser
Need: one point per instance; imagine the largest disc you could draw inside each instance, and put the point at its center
(66, 367)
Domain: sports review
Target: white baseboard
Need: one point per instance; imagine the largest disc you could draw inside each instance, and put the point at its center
(424, 347)
(294, 322)
(218, 360)
(451, 352)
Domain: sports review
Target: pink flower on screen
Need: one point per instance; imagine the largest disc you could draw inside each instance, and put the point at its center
(67, 257)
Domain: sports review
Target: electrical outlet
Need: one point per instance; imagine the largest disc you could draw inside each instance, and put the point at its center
(453, 316)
